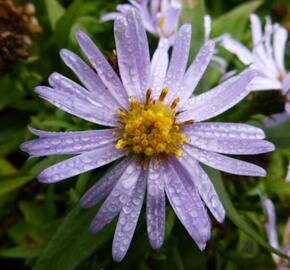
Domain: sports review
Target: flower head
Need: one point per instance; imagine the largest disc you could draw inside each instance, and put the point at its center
(271, 231)
(159, 17)
(267, 56)
(155, 125)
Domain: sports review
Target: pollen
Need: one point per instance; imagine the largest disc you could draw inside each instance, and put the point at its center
(150, 129)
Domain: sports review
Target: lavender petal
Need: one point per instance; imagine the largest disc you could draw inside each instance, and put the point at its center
(231, 146)
(197, 69)
(159, 64)
(279, 45)
(264, 60)
(224, 163)
(286, 84)
(199, 179)
(108, 76)
(178, 60)
(224, 130)
(155, 206)
(188, 206)
(78, 104)
(288, 173)
(89, 78)
(133, 53)
(219, 99)
(109, 17)
(235, 47)
(171, 16)
(118, 198)
(68, 143)
(276, 119)
(263, 83)
(104, 186)
(270, 225)
(81, 163)
(128, 220)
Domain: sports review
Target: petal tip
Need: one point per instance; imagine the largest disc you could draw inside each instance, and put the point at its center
(64, 53)
(23, 147)
(117, 257)
(201, 245)
(42, 178)
(80, 36)
(84, 203)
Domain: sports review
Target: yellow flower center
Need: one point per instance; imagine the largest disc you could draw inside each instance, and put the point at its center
(150, 129)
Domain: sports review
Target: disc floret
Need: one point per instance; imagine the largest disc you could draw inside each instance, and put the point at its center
(150, 129)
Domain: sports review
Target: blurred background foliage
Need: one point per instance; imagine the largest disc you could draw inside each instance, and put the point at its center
(42, 227)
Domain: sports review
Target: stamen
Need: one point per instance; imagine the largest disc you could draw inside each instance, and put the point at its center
(187, 122)
(174, 103)
(163, 94)
(148, 96)
(133, 103)
(149, 129)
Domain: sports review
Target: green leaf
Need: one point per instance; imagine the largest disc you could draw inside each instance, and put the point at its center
(233, 214)
(64, 25)
(13, 181)
(20, 252)
(235, 21)
(193, 12)
(73, 242)
(279, 135)
(55, 11)
(6, 167)
(33, 213)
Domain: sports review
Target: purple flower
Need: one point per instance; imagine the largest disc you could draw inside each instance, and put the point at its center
(271, 231)
(159, 17)
(268, 58)
(155, 126)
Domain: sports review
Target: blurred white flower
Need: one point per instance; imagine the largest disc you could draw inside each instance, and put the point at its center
(271, 231)
(159, 17)
(268, 57)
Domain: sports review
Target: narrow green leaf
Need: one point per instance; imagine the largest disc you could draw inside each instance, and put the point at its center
(6, 167)
(73, 242)
(279, 135)
(33, 213)
(54, 11)
(64, 25)
(235, 21)
(20, 252)
(233, 214)
(193, 12)
(13, 181)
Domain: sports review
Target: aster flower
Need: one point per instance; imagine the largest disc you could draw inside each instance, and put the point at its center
(155, 132)
(268, 57)
(159, 17)
(271, 231)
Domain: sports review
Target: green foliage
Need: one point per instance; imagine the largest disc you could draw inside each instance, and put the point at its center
(74, 240)
(193, 12)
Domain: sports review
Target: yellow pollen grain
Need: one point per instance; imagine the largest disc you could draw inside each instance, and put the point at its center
(149, 128)
(161, 22)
